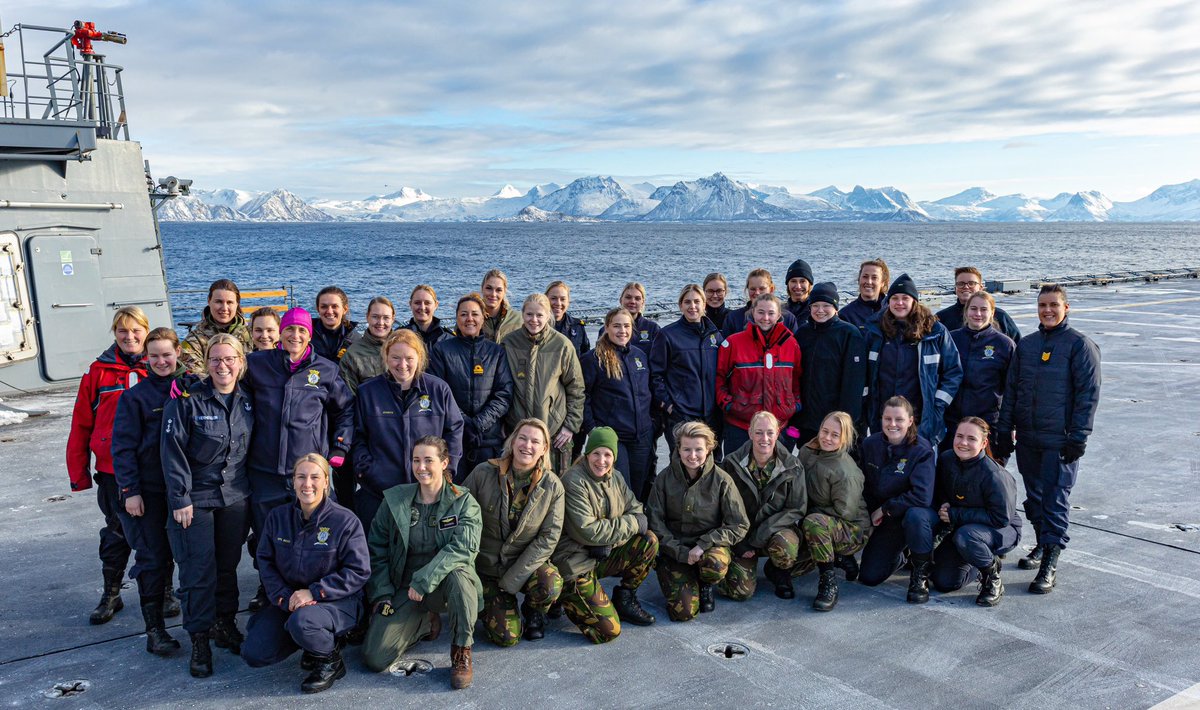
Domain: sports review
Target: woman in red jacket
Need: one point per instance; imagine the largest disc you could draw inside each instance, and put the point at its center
(758, 369)
(117, 369)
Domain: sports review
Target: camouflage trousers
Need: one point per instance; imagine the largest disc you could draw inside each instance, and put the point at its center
(681, 582)
(501, 616)
(584, 600)
(826, 536)
(782, 550)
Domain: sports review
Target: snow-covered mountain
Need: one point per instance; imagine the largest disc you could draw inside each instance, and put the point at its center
(373, 205)
(587, 197)
(1168, 203)
(713, 198)
(1088, 206)
(282, 206)
(192, 208)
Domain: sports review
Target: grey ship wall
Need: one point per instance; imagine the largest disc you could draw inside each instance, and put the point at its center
(79, 265)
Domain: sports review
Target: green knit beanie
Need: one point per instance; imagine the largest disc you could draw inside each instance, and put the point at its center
(602, 436)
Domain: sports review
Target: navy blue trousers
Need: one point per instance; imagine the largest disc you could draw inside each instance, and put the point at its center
(967, 550)
(208, 552)
(114, 548)
(1048, 483)
(884, 554)
(267, 492)
(634, 462)
(273, 634)
(147, 535)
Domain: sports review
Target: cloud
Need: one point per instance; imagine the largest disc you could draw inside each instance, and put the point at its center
(445, 94)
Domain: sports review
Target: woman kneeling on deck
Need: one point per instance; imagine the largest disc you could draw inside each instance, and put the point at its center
(976, 501)
(423, 544)
(605, 534)
(313, 561)
(697, 514)
(522, 500)
(837, 524)
(771, 483)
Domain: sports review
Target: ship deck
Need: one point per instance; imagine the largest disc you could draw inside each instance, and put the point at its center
(1119, 631)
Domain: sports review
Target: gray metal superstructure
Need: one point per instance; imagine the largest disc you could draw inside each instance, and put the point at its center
(78, 237)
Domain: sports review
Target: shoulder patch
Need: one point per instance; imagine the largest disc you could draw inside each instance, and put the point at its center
(724, 343)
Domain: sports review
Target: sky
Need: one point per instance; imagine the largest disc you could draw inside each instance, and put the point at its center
(348, 99)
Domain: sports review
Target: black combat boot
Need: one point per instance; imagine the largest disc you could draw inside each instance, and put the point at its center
(1033, 560)
(556, 611)
(326, 670)
(847, 564)
(260, 600)
(827, 589)
(918, 580)
(781, 578)
(201, 663)
(708, 601)
(535, 622)
(990, 586)
(1045, 580)
(158, 641)
(629, 609)
(308, 661)
(225, 634)
(170, 603)
(110, 598)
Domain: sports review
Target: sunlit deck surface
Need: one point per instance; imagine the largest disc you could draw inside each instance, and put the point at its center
(1119, 631)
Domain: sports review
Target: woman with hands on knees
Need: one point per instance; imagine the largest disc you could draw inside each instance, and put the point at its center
(698, 516)
(771, 483)
(423, 543)
(313, 561)
(521, 500)
(606, 534)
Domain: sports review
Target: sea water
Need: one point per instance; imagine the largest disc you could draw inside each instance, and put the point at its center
(597, 259)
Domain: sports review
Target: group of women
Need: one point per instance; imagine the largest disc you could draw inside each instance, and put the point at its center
(500, 469)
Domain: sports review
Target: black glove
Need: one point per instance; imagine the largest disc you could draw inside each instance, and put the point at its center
(1002, 445)
(642, 522)
(598, 552)
(1072, 450)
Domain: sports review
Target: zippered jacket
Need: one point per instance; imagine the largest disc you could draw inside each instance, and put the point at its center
(512, 552)
(105, 381)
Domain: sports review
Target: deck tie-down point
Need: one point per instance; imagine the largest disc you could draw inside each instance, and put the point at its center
(67, 689)
(410, 667)
(729, 649)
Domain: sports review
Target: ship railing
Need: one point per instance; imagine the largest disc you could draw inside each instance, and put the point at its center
(193, 300)
(61, 86)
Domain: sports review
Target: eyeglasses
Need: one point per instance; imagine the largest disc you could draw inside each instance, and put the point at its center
(715, 292)
(226, 361)
(967, 284)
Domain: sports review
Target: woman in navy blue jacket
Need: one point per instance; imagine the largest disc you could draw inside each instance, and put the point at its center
(314, 563)
(645, 331)
(137, 464)
(559, 294)
(899, 467)
(683, 366)
(477, 371)
(302, 406)
(912, 355)
(984, 353)
(976, 502)
(616, 382)
(392, 411)
(204, 443)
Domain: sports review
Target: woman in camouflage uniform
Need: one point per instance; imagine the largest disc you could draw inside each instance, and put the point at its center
(606, 534)
(837, 524)
(223, 314)
(697, 514)
(522, 504)
(771, 483)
